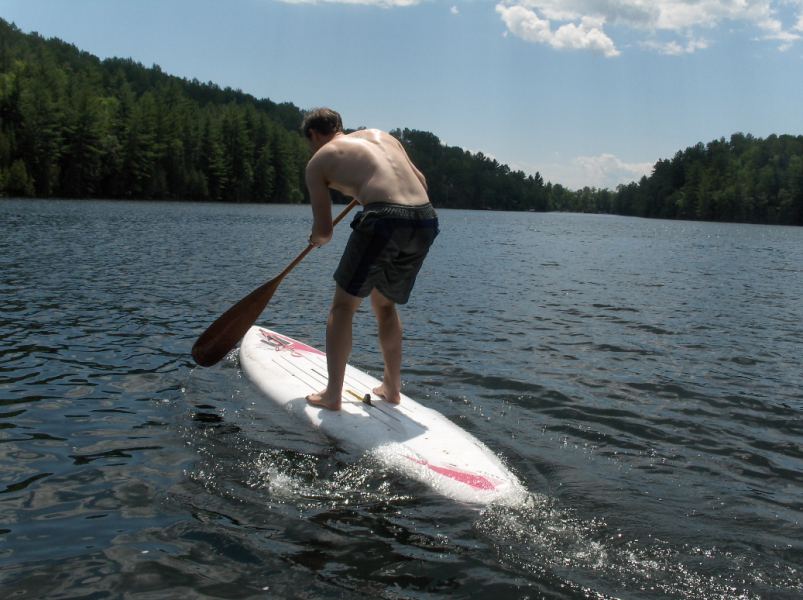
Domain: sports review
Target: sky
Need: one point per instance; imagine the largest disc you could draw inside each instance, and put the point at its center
(584, 92)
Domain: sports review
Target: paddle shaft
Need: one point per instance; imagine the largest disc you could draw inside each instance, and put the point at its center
(222, 335)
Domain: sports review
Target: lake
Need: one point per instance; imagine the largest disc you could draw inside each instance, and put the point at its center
(643, 378)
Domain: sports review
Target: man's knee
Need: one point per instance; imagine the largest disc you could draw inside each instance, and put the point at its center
(384, 309)
(342, 309)
(344, 304)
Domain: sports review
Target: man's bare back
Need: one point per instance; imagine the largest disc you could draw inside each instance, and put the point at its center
(369, 165)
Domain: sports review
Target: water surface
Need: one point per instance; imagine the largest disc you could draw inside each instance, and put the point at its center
(642, 378)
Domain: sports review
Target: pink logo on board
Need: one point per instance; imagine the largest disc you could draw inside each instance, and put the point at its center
(281, 343)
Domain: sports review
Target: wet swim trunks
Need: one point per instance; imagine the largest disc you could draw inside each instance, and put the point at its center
(386, 249)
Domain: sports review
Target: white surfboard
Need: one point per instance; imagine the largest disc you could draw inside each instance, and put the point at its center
(408, 437)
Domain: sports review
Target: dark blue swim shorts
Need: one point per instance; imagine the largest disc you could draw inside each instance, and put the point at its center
(386, 249)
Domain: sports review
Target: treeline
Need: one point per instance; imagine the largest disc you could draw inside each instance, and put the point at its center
(457, 178)
(74, 126)
(744, 179)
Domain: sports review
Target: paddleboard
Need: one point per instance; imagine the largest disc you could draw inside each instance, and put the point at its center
(409, 438)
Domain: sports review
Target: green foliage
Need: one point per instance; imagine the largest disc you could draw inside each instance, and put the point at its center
(458, 179)
(72, 125)
(16, 180)
(744, 179)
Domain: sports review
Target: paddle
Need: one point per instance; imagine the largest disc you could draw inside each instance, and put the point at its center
(231, 326)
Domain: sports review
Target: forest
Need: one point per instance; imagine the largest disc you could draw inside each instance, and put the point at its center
(75, 126)
(743, 179)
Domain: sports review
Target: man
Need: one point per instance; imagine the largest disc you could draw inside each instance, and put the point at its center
(388, 244)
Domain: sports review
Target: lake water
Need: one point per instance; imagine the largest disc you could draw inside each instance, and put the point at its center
(643, 378)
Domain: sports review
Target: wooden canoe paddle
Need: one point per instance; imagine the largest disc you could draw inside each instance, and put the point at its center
(222, 335)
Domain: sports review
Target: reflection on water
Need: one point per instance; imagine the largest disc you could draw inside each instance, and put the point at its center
(642, 378)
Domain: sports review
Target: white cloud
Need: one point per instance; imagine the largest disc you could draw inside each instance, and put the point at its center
(454, 10)
(601, 171)
(675, 48)
(607, 169)
(532, 20)
(775, 31)
(588, 35)
(654, 14)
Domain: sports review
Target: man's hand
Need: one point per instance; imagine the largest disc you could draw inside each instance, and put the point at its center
(319, 240)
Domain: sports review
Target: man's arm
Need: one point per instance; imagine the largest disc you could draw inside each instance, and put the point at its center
(321, 204)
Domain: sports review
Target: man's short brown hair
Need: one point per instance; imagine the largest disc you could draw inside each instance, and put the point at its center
(323, 120)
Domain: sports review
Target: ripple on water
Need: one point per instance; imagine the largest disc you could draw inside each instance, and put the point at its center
(641, 377)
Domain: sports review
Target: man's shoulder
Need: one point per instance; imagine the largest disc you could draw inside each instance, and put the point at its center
(364, 133)
(369, 135)
(327, 157)
(324, 154)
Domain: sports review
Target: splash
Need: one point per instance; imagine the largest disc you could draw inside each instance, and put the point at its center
(545, 541)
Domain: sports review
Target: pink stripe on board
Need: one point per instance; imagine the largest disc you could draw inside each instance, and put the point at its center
(281, 343)
(476, 481)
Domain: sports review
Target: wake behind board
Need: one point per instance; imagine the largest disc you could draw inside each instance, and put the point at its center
(408, 437)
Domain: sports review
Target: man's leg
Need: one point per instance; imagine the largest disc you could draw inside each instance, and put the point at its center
(338, 348)
(390, 340)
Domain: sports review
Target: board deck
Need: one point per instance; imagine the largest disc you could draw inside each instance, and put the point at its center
(409, 437)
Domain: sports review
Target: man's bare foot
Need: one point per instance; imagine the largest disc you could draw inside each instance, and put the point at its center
(323, 400)
(387, 396)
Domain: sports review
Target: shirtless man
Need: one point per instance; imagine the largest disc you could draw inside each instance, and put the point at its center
(388, 244)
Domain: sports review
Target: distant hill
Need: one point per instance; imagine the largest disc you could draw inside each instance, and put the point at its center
(743, 179)
(75, 126)
(72, 125)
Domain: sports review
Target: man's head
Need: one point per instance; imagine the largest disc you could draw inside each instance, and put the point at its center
(323, 121)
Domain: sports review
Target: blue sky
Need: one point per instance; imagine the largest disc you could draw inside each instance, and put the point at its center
(586, 92)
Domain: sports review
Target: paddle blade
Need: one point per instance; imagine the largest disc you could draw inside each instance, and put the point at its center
(222, 335)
